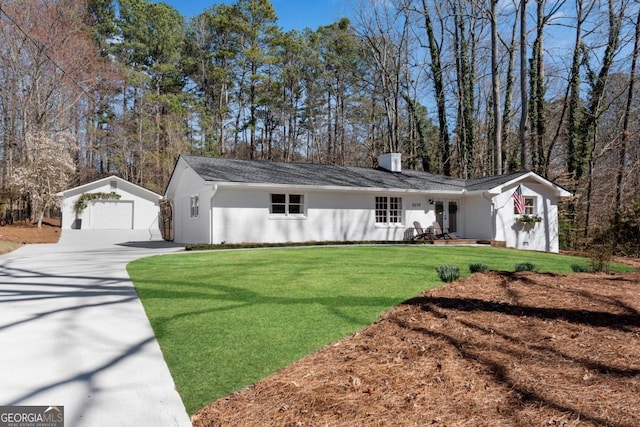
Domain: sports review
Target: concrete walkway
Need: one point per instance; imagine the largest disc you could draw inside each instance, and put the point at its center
(73, 332)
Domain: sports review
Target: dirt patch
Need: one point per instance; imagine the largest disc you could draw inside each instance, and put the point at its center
(493, 349)
(25, 232)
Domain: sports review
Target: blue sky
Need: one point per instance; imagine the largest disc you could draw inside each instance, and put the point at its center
(292, 14)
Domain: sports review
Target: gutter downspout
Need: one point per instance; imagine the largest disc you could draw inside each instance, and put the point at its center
(493, 215)
(215, 190)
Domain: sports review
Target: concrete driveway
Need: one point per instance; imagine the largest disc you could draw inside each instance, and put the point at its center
(73, 332)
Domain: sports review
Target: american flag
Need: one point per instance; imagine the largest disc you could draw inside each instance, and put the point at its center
(518, 200)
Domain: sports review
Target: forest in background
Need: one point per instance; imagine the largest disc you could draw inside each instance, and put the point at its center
(466, 88)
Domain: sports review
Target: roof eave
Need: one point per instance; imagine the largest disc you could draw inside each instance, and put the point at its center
(330, 188)
(79, 188)
(559, 191)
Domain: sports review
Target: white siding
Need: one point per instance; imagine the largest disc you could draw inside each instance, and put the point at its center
(242, 215)
(540, 236)
(145, 203)
(477, 217)
(185, 228)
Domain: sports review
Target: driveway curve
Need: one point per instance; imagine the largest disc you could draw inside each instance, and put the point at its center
(73, 332)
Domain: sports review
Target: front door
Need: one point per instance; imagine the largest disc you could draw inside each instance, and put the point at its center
(447, 215)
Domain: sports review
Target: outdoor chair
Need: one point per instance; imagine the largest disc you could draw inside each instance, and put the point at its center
(440, 234)
(422, 234)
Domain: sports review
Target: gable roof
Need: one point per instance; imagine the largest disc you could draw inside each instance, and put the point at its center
(498, 183)
(260, 172)
(99, 182)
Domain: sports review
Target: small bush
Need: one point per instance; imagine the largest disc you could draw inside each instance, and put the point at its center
(525, 266)
(601, 251)
(580, 268)
(448, 273)
(478, 267)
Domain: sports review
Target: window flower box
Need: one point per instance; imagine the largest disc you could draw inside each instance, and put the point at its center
(527, 219)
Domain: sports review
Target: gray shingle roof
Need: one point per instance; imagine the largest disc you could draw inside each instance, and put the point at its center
(309, 174)
(491, 181)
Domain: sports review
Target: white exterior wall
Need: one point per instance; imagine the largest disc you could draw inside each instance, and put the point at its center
(145, 210)
(540, 236)
(185, 228)
(68, 215)
(476, 216)
(242, 215)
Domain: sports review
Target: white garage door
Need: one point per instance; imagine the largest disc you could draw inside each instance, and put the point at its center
(112, 214)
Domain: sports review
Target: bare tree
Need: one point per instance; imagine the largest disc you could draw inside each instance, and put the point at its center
(523, 84)
(508, 98)
(495, 84)
(627, 115)
(385, 31)
(51, 70)
(466, 31)
(573, 127)
(594, 106)
(538, 87)
(435, 51)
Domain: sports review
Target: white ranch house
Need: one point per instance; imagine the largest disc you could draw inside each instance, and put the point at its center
(216, 200)
(136, 209)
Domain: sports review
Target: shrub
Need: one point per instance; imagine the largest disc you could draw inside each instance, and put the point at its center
(525, 266)
(448, 273)
(84, 198)
(601, 251)
(477, 267)
(580, 268)
(528, 219)
(625, 231)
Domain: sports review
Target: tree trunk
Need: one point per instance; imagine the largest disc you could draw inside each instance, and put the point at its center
(594, 108)
(537, 93)
(495, 80)
(523, 84)
(506, 115)
(541, 115)
(572, 98)
(438, 84)
(625, 123)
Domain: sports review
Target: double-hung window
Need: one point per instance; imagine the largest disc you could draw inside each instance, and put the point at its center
(195, 207)
(388, 210)
(529, 207)
(287, 204)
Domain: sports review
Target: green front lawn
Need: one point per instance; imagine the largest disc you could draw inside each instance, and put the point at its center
(226, 319)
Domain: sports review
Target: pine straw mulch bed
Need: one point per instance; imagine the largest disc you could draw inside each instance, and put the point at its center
(25, 232)
(493, 349)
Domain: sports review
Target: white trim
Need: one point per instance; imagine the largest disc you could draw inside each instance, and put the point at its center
(105, 180)
(194, 206)
(332, 188)
(388, 210)
(286, 214)
(560, 192)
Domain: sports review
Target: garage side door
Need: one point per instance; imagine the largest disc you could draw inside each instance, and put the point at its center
(112, 214)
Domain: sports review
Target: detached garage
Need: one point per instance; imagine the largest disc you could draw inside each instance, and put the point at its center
(110, 203)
